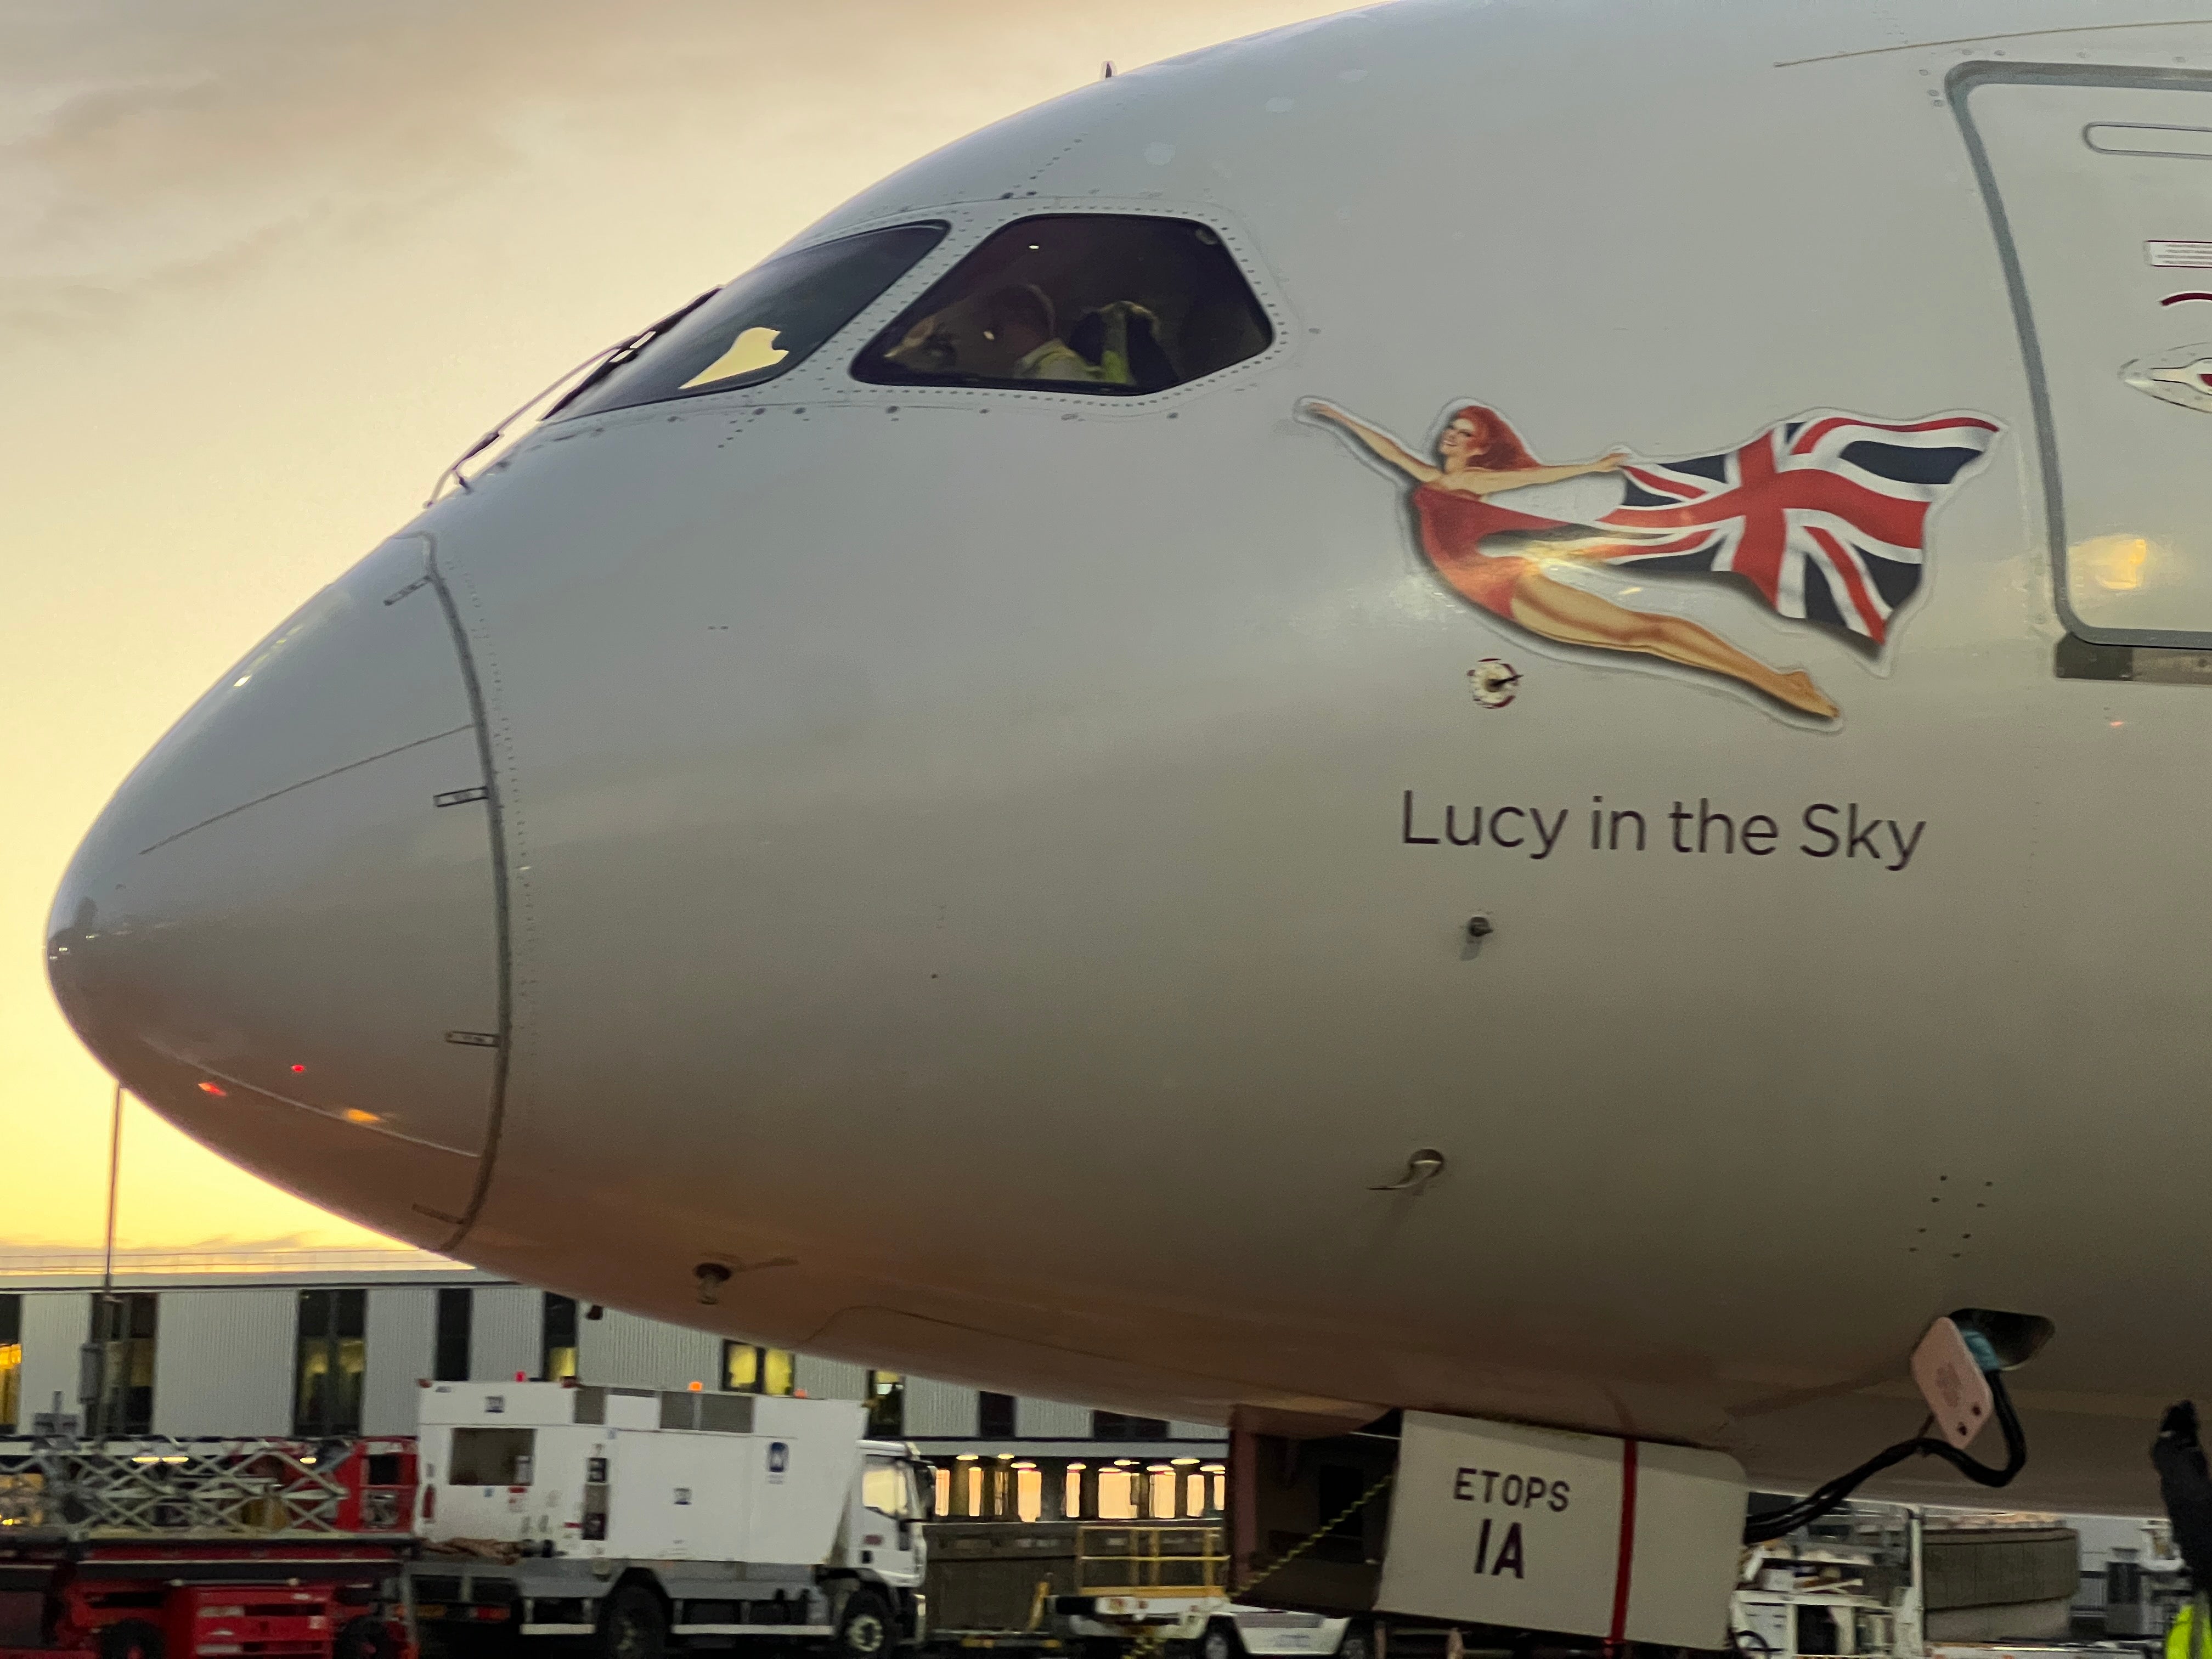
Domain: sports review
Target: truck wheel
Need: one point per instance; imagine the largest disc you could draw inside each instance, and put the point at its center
(865, 1629)
(632, 1626)
(1221, 1641)
(133, 1638)
(1357, 1643)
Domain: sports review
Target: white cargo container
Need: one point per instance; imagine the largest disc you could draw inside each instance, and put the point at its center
(633, 1516)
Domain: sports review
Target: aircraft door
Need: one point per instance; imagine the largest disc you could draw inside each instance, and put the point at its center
(2098, 184)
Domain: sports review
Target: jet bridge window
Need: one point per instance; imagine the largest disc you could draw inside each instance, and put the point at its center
(1110, 305)
(764, 324)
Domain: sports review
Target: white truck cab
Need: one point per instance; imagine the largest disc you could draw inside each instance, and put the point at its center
(635, 1515)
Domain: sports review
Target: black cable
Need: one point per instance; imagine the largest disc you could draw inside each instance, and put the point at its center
(1825, 1499)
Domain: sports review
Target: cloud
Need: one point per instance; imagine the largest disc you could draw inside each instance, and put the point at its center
(153, 142)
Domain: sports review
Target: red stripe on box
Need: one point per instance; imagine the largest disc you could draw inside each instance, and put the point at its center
(1626, 1558)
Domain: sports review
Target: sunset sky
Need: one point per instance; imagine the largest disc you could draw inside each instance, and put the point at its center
(267, 266)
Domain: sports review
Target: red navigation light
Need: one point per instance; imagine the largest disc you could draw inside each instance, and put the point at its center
(299, 1068)
(216, 1089)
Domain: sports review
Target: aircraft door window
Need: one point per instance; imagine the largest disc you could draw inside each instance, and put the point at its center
(760, 326)
(1108, 304)
(2091, 175)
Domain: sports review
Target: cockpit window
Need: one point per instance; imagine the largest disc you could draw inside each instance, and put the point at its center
(764, 324)
(1115, 305)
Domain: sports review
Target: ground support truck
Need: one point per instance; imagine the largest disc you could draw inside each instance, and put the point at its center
(634, 1517)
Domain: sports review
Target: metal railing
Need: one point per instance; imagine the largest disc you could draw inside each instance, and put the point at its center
(205, 1488)
(1150, 1560)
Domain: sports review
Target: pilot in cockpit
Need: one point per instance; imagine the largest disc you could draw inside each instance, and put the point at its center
(1011, 333)
(1019, 321)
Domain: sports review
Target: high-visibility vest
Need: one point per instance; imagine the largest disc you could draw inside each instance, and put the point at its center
(2179, 1637)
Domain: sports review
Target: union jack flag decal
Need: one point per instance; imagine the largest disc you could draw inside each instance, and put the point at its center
(1824, 515)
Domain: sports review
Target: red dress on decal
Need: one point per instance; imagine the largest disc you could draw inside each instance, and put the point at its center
(1454, 523)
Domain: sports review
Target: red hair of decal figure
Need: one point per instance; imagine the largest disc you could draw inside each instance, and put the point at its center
(1492, 444)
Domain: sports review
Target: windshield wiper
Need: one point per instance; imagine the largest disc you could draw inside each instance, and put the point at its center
(628, 350)
(601, 363)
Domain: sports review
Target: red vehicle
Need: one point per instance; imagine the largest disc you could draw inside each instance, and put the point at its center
(232, 1549)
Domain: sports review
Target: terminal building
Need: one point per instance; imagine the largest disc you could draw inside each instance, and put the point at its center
(321, 1344)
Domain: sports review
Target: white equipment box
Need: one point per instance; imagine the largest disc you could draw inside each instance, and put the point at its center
(604, 1471)
(1622, 1540)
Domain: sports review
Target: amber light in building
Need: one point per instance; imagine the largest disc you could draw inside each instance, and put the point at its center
(1162, 1481)
(1117, 1495)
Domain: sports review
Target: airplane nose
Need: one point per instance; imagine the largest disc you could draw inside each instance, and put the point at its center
(283, 933)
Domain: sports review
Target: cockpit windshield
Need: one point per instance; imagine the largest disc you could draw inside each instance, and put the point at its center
(763, 323)
(1109, 304)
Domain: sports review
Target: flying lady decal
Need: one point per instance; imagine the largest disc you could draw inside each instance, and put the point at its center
(1823, 516)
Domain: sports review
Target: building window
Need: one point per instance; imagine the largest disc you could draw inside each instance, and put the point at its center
(1117, 1494)
(943, 1503)
(557, 1359)
(124, 1327)
(333, 1355)
(994, 1416)
(886, 1405)
(747, 1368)
(1102, 304)
(1160, 1496)
(1071, 1497)
(11, 1362)
(449, 1360)
(1113, 1425)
